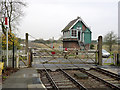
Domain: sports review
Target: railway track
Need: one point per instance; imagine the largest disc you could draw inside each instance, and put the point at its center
(81, 87)
(102, 78)
(108, 73)
(105, 77)
(108, 78)
(59, 80)
(89, 82)
(98, 78)
(65, 79)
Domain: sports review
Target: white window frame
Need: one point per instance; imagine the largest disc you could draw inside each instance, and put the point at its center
(66, 34)
(74, 34)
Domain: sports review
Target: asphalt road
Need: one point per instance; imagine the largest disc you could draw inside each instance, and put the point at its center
(66, 63)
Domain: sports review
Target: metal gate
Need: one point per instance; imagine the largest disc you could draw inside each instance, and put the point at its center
(62, 56)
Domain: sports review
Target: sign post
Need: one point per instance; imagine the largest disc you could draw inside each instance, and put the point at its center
(6, 24)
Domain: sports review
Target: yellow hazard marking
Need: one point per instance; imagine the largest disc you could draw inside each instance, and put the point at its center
(1, 67)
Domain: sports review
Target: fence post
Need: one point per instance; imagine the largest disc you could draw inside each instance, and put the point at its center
(118, 60)
(115, 59)
(26, 42)
(30, 58)
(17, 61)
(100, 50)
(96, 57)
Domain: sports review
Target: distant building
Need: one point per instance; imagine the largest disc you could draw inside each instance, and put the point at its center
(76, 35)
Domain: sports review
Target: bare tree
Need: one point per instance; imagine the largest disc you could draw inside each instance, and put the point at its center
(110, 39)
(13, 10)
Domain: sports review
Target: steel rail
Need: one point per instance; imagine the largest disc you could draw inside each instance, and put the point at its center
(81, 87)
(113, 75)
(99, 79)
(54, 86)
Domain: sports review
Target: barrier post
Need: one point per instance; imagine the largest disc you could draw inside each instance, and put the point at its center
(100, 50)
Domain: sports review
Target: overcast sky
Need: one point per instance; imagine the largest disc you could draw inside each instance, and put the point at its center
(46, 18)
